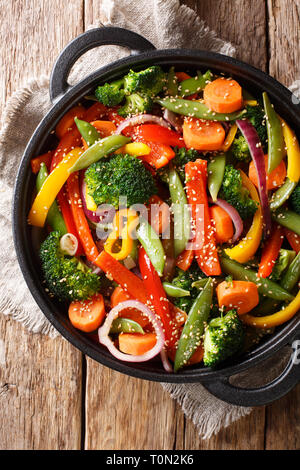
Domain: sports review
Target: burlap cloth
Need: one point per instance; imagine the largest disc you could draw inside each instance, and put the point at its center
(164, 24)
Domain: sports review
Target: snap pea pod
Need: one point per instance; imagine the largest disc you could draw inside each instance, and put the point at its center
(152, 245)
(54, 216)
(193, 329)
(276, 147)
(87, 131)
(288, 219)
(174, 291)
(195, 84)
(125, 325)
(180, 212)
(197, 109)
(99, 150)
(215, 170)
(172, 83)
(282, 194)
(265, 286)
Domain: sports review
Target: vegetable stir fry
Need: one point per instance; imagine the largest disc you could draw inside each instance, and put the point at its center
(172, 206)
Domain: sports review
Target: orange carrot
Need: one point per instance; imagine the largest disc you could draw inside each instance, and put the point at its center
(223, 95)
(87, 315)
(270, 252)
(37, 161)
(185, 259)
(275, 179)
(241, 295)
(203, 135)
(136, 344)
(67, 121)
(293, 239)
(223, 224)
(119, 295)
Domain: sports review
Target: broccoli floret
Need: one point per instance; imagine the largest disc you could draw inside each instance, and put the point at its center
(148, 82)
(240, 150)
(185, 279)
(136, 104)
(256, 115)
(119, 176)
(67, 278)
(111, 94)
(235, 194)
(182, 156)
(295, 199)
(223, 337)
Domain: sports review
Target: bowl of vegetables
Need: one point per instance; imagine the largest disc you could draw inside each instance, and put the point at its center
(157, 215)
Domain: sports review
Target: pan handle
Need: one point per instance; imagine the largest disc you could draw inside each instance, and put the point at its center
(106, 35)
(276, 389)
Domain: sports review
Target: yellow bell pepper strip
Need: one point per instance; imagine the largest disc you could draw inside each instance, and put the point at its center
(293, 152)
(90, 203)
(229, 138)
(137, 149)
(51, 187)
(250, 103)
(123, 232)
(248, 246)
(276, 319)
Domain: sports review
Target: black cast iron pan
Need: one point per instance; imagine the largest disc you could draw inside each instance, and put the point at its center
(63, 96)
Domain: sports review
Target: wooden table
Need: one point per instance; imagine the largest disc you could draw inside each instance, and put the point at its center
(53, 397)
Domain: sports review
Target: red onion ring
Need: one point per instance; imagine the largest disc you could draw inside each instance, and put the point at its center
(140, 119)
(173, 119)
(104, 338)
(235, 217)
(165, 361)
(257, 154)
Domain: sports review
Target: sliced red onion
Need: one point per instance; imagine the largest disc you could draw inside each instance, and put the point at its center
(165, 361)
(69, 244)
(104, 338)
(140, 119)
(235, 217)
(257, 154)
(174, 119)
(137, 272)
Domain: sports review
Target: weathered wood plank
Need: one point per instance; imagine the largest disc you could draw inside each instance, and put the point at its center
(40, 382)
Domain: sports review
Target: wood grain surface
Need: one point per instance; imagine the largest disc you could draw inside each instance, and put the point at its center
(52, 397)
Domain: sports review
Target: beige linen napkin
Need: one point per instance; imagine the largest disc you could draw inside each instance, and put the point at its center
(164, 24)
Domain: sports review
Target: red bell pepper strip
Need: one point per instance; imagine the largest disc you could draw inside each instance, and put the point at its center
(204, 239)
(68, 218)
(293, 239)
(270, 252)
(158, 297)
(159, 135)
(185, 259)
(82, 226)
(159, 156)
(70, 140)
(95, 112)
(37, 161)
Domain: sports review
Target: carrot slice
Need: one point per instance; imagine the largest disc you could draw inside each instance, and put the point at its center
(119, 295)
(87, 315)
(106, 128)
(223, 95)
(223, 224)
(241, 295)
(275, 179)
(203, 135)
(136, 343)
(67, 121)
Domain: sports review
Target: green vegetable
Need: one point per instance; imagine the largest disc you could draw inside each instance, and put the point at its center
(187, 280)
(276, 146)
(195, 84)
(292, 275)
(182, 156)
(99, 150)
(284, 259)
(174, 291)
(125, 325)
(239, 149)
(235, 194)
(282, 194)
(136, 104)
(111, 94)
(152, 245)
(87, 131)
(215, 171)
(172, 83)
(265, 286)
(148, 82)
(119, 176)
(193, 329)
(67, 278)
(288, 219)
(256, 115)
(197, 109)
(54, 217)
(180, 213)
(295, 199)
(223, 337)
